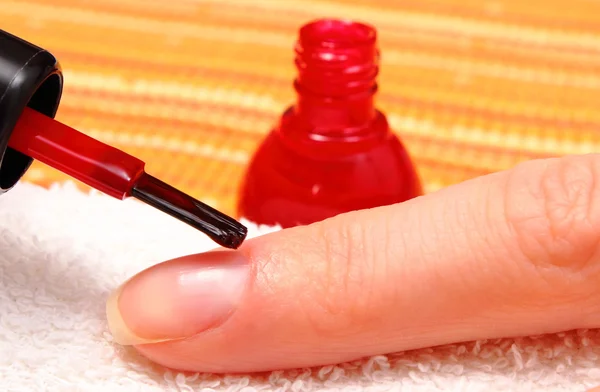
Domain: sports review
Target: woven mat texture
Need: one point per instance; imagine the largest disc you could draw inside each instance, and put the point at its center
(191, 86)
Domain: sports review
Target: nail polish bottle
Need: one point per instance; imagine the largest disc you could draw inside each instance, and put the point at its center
(332, 150)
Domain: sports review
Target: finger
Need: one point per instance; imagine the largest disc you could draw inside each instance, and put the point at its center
(508, 254)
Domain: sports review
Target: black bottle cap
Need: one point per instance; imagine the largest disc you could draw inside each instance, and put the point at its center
(29, 76)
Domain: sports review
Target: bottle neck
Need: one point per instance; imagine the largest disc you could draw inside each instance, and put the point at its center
(334, 114)
(337, 64)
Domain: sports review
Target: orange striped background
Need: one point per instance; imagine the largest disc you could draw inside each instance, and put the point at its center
(191, 86)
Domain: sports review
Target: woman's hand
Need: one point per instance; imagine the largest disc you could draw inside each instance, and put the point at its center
(512, 253)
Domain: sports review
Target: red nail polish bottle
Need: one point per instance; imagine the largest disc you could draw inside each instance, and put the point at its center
(332, 151)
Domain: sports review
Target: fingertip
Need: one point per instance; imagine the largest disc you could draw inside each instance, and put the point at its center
(119, 329)
(178, 298)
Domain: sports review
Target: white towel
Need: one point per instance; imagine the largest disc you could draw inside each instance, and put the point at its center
(63, 251)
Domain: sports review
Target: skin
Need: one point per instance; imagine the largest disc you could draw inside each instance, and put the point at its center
(509, 254)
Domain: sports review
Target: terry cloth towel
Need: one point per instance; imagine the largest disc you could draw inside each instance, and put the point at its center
(63, 251)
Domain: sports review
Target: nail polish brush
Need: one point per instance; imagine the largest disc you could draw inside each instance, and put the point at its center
(31, 85)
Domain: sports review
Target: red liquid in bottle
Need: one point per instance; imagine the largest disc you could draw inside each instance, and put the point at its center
(332, 151)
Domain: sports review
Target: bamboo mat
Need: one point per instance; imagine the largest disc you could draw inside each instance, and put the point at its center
(191, 86)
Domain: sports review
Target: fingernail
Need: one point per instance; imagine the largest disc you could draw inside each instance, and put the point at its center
(178, 299)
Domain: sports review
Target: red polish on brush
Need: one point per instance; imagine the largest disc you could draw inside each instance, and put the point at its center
(332, 151)
(31, 84)
(116, 173)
